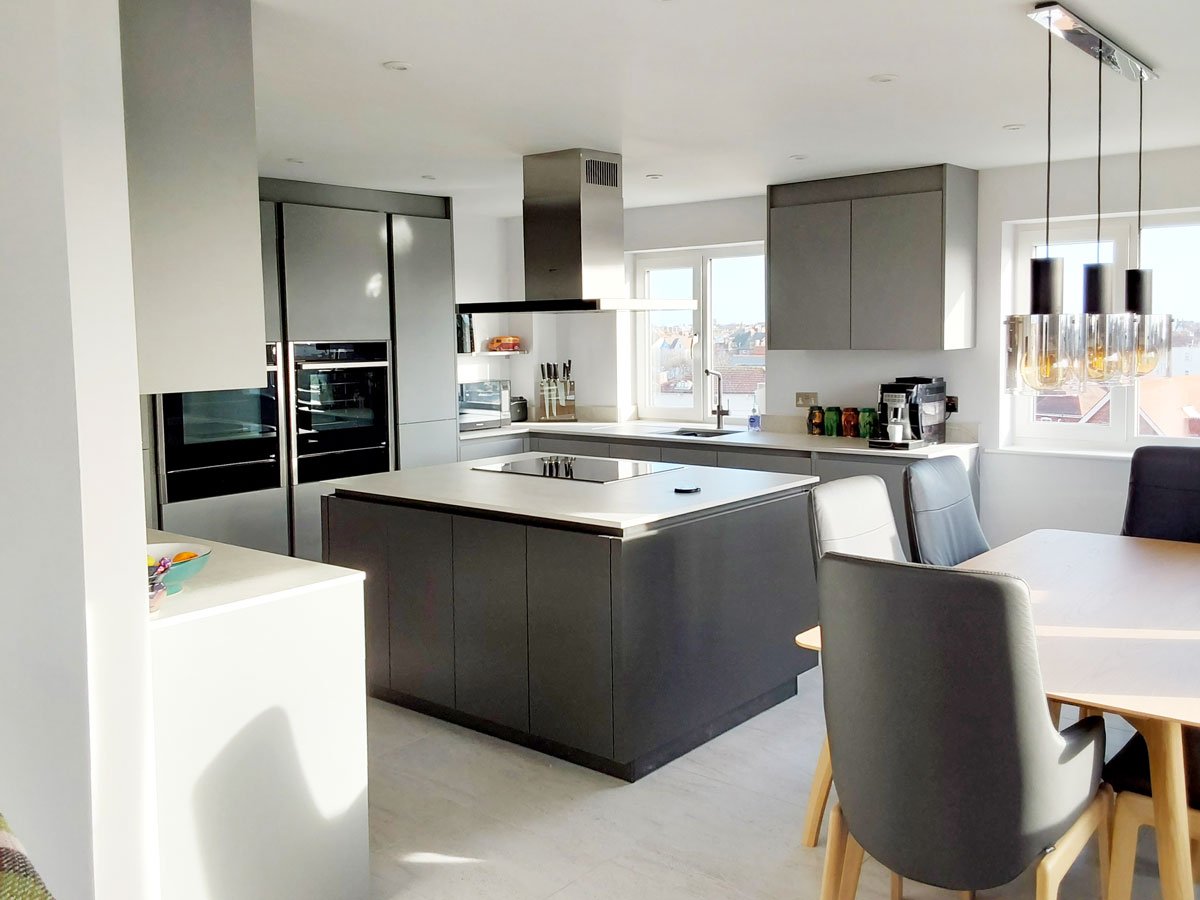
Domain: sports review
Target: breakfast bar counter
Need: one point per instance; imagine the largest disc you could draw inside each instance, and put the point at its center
(617, 625)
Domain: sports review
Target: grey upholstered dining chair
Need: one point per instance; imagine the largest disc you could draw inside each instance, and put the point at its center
(849, 515)
(948, 768)
(943, 526)
(1164, 494)
(1163, 503)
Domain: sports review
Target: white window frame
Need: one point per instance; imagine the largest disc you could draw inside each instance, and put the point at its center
(699, 259)
(1121, 434)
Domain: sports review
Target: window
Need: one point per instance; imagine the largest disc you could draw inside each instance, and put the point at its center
(726, 333)
(1153, 410)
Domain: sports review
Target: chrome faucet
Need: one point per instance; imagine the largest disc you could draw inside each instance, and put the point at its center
(720, 412)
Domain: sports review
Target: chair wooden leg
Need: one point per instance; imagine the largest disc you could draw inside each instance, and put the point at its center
(1055, 711)
(818, 797)
(1195, 860)
(897, 887)
(966, 895)
(1104, 837)
(851, 869)
(1127, 820)
(1055, 864)
(835, 855)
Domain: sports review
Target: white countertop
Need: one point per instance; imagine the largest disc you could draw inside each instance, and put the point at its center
(236, 577)
(660, 432)
(616, 508)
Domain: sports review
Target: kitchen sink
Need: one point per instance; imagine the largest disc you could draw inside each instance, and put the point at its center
(696, 432)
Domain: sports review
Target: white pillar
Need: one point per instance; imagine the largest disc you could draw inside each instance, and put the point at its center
(75, 769)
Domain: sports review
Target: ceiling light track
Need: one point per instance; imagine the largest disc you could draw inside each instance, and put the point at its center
(1077, 32)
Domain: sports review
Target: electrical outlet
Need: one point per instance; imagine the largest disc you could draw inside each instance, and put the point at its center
(806, 398)
(951, 403)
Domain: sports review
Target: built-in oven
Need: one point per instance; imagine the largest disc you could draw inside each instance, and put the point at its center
(216, 443)
(341, 422)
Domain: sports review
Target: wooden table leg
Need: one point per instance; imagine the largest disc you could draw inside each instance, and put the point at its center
(818, 796)
(1167, 786)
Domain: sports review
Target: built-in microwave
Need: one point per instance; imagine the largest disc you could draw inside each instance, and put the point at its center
(484, 404)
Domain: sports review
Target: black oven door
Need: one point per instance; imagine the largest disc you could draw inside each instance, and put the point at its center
(222, 442)
(341, 396)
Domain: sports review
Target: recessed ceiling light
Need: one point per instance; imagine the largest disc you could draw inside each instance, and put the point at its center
(654, 176)
(396, 65)
(1013, 126)
(295, 160)
(798, 156)
(429, 177)
(884, 78)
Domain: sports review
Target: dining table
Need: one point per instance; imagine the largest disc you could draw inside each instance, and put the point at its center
(1117, 621)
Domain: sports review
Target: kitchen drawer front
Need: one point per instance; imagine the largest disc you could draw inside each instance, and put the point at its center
(482, 448)
(689, 457)
(765, 462)
(649, 452)
(568, 447)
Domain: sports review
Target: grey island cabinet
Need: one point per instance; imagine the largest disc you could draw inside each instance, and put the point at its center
(615, 625)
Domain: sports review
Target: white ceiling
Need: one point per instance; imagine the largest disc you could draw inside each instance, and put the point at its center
(714, 95)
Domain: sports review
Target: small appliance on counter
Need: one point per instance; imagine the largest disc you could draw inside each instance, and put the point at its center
(912, 413)
(555, 400)
(484, 404)
(519, 409)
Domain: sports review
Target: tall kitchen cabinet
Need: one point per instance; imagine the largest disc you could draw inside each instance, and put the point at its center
(884, 261)
(424, 355)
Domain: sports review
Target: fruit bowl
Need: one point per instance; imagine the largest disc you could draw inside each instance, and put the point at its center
(181, 571)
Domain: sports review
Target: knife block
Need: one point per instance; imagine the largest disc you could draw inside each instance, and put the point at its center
(555, 401)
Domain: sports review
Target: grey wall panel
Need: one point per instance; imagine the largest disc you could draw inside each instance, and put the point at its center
(257, 519)
(694, 633)
(491, 650)
(306, 519)
(850, 187)
(808, 277)
(482, 448)
(896, 271)
(570, 640)
(335, 274)
(421, 604)
(358, 539)
(270, 269)
(688, 456)
(425, 363)
(311, 193)
(961, 200)
(428, 443)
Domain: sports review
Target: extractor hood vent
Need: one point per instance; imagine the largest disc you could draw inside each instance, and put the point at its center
(602, 172)
(574, 226)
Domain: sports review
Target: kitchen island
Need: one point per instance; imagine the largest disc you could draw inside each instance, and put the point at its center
(617, 625)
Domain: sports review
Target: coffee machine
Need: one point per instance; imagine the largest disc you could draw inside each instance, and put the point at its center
(912, 413)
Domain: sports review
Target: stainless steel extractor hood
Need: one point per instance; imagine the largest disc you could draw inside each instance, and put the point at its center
(573, 218)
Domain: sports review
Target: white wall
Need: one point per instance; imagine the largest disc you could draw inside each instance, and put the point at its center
(76, 781)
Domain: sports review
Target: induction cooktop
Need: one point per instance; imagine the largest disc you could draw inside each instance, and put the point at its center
(578, 468)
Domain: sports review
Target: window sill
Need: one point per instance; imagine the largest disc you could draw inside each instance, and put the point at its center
(1064, 452)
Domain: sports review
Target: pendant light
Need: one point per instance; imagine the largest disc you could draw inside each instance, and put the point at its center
(1150, 335)
(1043, 346)
(1108, 351)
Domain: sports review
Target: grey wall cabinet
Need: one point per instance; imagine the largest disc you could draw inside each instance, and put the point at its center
(336, 274)
(188, 84)
(896, 272)
(491, 650)
(270, 271)
(809, 264)
(884, 261)
(423, 266)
